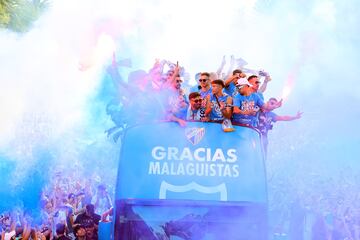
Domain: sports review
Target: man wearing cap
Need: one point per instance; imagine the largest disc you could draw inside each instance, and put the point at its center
(247, 104)
(218, 104)
(255, 82)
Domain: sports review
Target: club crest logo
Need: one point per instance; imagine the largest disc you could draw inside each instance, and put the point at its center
(194, 135)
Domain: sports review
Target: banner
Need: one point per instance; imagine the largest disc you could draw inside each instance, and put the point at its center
(198, 162)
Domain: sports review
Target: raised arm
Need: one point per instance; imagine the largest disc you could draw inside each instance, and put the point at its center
(108, 199)
(208, 106)
(156, 71)
(230, 79)
(171, 80)
(270, 107)
(264, 85)
(289, 118)
(26, 231)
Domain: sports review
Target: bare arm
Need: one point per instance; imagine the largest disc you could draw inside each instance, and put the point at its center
(108, 199)
(229, 80)
(237, 110)
(208, 106)
(96, 203)
(173, 118)
(264, 85)
(157, 70)
(226, 110)
(172, 78)
(268, 107)
(106, 214)
(71, 219)
(26, 232)
(289, 118)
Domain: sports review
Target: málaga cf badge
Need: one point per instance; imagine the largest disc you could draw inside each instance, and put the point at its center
(194, 135)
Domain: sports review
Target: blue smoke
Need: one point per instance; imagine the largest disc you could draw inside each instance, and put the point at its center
(25, 193)
(306, 157)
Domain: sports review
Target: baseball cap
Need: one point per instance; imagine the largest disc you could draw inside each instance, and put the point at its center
(243, 81)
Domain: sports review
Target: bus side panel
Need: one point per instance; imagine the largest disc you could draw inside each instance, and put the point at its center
(191, 183)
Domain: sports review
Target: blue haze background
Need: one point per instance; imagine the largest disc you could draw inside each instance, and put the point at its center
(52, 116)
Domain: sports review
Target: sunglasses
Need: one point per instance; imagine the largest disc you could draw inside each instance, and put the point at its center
(178, 81)
(257, 82)
(197, 100)
(202, 80)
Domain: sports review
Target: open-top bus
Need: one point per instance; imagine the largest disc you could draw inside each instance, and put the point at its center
(196, 182)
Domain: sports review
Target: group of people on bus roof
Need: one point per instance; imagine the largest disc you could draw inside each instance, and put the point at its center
(219, 96)
(239, 98)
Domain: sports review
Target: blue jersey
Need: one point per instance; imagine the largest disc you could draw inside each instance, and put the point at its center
(231, 90)
(177, 104)
(181, 113)
(194, 115)
(204, 94)
(251, 102)
(194, 88)
(266, 120)
(260, 95)
(216, 113)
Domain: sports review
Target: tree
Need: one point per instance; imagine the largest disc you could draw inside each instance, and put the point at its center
(19, 15)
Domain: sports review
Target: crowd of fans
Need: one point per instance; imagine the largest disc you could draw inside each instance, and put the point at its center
(70, 208)
(315, 207)
(229, 97)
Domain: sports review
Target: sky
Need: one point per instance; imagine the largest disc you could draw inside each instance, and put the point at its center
(53, 78)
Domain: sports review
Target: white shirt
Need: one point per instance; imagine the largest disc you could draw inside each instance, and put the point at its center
(193, 115)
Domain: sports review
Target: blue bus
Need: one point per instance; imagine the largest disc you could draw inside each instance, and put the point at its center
(196, 182)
